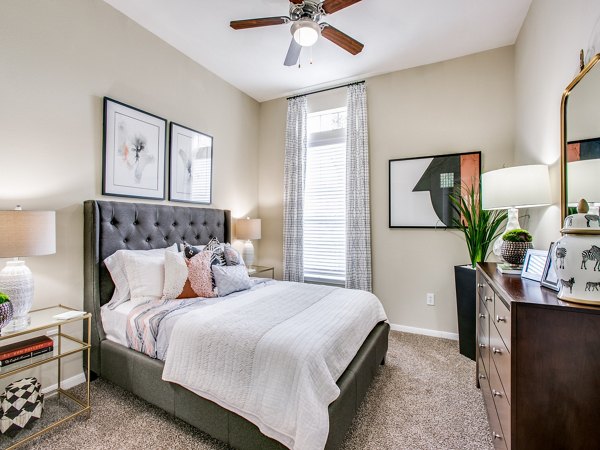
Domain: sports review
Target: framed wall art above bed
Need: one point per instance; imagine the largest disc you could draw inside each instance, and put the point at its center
(134, 148)
(420, 188)
(190, 158)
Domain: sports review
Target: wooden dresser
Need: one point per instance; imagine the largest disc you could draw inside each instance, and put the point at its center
(538, 365)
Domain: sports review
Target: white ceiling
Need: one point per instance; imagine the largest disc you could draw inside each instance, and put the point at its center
(398, 34)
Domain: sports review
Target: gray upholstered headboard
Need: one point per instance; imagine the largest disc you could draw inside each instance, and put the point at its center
(111, 226)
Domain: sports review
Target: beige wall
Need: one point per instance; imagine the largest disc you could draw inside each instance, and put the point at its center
(455, 106)
(58, 60)
(546, 60)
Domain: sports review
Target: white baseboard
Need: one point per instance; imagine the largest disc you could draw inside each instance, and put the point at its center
(424, 331)
(66, 384)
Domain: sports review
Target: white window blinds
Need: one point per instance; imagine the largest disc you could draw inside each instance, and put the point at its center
(325, 198)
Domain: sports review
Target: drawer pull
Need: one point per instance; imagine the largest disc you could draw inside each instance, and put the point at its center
(480, 285)
(496, 393)
(481, 345)
(500, 319)
(482, 376)
(496, 350)
(487, 298)
(481, 316)
(496, 435)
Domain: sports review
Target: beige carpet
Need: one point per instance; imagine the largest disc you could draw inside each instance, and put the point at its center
(423, 398)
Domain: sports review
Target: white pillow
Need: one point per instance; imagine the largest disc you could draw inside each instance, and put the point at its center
(145, 275)
(176, 274)
(116, 267)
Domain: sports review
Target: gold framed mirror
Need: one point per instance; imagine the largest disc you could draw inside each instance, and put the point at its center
(580, 138)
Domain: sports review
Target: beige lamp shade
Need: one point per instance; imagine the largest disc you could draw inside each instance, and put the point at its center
(247, 229)
(516, 187)
(582, 181)
(27, 233)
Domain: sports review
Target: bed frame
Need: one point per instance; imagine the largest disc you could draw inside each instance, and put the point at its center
(111, 226)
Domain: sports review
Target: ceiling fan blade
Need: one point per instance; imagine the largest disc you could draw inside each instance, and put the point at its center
(342, 39)
(293, 54)
(254, 23)
(331, 6)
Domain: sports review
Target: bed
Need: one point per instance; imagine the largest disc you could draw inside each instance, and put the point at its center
(111, 226)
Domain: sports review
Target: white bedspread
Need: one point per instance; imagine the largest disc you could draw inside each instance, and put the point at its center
(273, 355)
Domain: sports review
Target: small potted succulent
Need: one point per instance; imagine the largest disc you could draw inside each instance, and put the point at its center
(515, 246)
(6, 310)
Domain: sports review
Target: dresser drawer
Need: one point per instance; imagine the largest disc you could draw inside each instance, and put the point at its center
(483, 334)
(482, 371)
(495, 428)
(501, 403)
(500, 357)
(501, 319)
(485, 292)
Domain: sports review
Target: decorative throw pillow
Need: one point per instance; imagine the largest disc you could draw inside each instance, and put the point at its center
(200, 274)
(217, 248)
(191, 250)
(116, 267)
(145, 275)
(179, 271)
(231, 279)
(232, 256)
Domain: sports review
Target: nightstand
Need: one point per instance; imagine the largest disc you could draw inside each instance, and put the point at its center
(59, 405)
(255, 271)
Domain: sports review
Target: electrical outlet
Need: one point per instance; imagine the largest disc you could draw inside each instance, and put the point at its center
(431, 299)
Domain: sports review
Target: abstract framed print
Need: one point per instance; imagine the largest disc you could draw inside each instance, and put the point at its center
(420, 188)
(134, 152)
(190, 158)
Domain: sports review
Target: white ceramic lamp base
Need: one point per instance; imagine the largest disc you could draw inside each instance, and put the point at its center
(16, 281)
(511, 224)
(248, 253)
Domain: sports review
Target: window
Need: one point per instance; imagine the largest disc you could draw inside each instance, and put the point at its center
(325, 198)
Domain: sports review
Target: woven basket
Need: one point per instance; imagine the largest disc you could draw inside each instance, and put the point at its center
(514, 252)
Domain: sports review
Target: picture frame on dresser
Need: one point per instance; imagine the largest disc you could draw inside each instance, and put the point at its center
(533, 266)
(190, 159)
(549, 277)
(133, 152)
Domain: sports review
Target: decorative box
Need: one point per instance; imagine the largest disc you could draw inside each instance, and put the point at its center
(576, 258)
(22, 404)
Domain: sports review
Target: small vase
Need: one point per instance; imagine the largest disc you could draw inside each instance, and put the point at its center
(514, 252)
(6, 313)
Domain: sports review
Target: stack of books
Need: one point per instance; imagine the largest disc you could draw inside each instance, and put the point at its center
(509, 269)
(20, 351)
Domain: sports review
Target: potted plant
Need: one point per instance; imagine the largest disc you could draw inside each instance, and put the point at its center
(6, 310)
(480, 228)
(515, 245)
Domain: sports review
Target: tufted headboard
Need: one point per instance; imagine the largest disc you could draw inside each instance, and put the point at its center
(111, 226)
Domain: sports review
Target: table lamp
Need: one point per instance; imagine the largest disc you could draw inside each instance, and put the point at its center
(248, 229)
(23, 233)
(582, 182)
(512, 188)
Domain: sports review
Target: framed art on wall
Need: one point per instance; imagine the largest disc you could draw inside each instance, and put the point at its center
(190, 165)
(420, 188)
(134, 149)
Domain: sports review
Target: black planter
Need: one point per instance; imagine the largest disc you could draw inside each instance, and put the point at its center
(466, 301)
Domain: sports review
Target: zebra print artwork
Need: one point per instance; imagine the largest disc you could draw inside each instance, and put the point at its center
(592, 286)
(568, 283)
(561, 252)
(592, 218)
(593, 254)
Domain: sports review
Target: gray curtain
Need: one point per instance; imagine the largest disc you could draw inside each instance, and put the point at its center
(358, 211)
(293, 195)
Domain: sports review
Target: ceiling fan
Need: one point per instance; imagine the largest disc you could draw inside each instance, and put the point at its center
(305, 16)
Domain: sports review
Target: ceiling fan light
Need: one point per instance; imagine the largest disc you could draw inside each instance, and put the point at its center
(306, 32)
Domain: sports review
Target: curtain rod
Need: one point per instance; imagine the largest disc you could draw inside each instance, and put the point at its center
(326, 89)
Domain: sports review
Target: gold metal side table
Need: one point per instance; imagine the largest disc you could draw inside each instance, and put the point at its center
(59, 405)
(254, 271)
